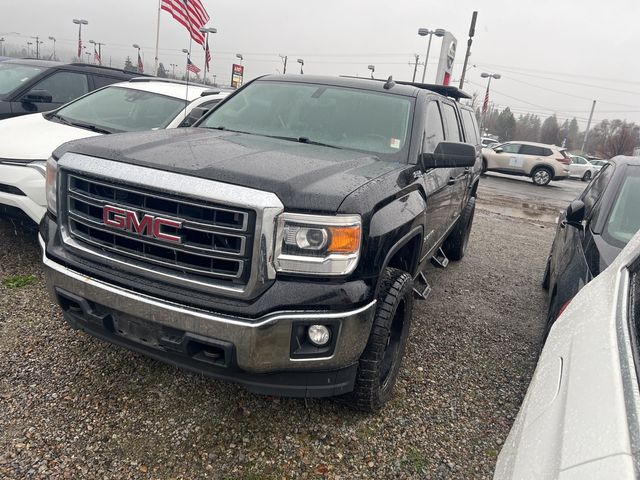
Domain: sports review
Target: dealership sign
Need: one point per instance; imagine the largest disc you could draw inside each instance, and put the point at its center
(237, 73)
(447, 56)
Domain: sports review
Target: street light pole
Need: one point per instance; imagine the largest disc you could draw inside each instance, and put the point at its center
(53, 39)
(80, 22)
(135, 45)
(486, 96)
(38, 42)
(301, 62)
(438, 32)
(2, 46)
(207, 31)
(240, 57)
(173, 69)
(99, 50)
(372, 68)
(29, 48)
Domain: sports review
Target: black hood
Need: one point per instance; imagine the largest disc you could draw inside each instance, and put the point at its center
(305, 177)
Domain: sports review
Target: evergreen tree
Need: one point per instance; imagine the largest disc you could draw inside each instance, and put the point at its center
(549, 131)
(162, 72)
(128, 66)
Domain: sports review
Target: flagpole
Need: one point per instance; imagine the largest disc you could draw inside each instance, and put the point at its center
(155, 68)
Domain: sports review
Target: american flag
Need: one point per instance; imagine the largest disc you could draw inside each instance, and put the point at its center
(485, 105)
(140, 64)
(207, 57)
(191, 14)
(96, 56)
(191, 67)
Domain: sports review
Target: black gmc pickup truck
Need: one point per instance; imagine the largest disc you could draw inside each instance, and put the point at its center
(279, 244)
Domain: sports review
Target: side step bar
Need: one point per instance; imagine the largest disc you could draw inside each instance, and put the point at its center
(440, 259)
(421, 287)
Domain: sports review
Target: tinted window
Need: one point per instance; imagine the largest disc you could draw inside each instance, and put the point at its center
(434, 131)
(593, 192)
(198, 112)
(510, 147)
(101, 81)
(451, 123)
(341, 117)
(624, 219)
(532, 150)
(64, 86)
(470, 127)
(13, 76)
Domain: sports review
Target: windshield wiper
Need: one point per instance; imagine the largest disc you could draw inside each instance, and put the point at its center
(59, 118)
(89, 126)
(313, 142)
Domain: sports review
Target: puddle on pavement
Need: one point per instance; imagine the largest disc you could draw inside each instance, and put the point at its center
(526, 211)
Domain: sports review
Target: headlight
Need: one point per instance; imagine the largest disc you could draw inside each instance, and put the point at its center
(51, 186)
(318, 245)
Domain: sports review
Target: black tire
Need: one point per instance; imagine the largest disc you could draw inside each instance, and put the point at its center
(541, 176)
(455, 246)
(587, 176)
(484, 167)
(380, 362)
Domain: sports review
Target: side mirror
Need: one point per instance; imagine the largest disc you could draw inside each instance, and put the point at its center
(498, 149)
(449, 155)
(37, 96)
(575, 213)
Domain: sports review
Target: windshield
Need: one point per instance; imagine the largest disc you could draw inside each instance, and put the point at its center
(12, 75)
(624, 219)
(118, 109)
(340, 117)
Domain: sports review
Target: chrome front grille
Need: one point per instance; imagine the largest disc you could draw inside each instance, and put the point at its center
(215, 241)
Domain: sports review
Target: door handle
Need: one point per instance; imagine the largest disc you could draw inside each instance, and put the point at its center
(452, 181)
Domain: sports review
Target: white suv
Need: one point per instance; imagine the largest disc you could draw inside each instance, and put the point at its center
(539, 161)
(137, 105)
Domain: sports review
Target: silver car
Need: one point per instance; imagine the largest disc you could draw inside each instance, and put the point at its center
(580, 417)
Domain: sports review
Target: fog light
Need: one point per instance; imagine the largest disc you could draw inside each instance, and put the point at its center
(319, 335)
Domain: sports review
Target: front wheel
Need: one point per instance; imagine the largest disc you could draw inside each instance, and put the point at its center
(380, 362)
(587, 176)
(541, 176)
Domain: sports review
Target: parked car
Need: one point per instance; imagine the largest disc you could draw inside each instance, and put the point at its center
(278, 245)
(489, 142)
(31, 86)
(597, 162)
(581, 168)
(140, 104)
(579, 418)
(592, 232)
(539, 161)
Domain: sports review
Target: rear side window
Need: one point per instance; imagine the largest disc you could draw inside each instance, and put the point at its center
(451, 123)
(533, 150)
(594, 191)
(470, 127)
(101, 81)
(434, 131)
(64, 86)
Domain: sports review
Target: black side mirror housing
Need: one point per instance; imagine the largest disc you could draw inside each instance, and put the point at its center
(575, 213)
(498, 149)
(37, 96)
(449, 155)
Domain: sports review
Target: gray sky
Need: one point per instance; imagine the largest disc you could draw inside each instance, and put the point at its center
(554, 55)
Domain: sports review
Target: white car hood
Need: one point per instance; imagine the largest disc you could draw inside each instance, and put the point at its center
(33, 137)
(575, 422)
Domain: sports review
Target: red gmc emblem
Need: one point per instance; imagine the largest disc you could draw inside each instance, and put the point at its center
(148, 225)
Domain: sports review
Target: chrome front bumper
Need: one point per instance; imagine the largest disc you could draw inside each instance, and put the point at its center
(261, 345)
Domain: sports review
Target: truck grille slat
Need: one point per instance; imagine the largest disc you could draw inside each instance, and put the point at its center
(204, 240)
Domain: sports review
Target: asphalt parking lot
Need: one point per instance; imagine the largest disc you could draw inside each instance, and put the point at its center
(75, 407)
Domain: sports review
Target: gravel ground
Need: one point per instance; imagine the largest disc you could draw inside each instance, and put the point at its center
(74, 407)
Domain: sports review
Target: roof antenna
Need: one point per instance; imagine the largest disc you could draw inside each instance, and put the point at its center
(389, 83)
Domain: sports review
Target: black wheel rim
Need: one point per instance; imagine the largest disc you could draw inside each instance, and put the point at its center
(393, 345)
